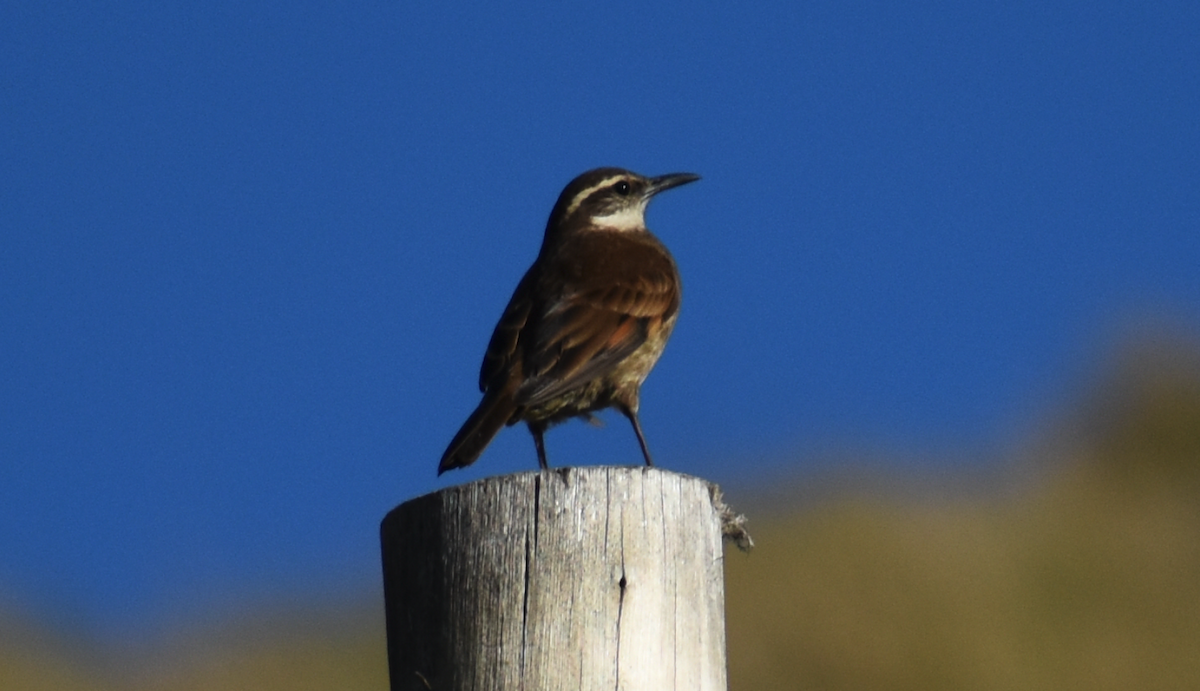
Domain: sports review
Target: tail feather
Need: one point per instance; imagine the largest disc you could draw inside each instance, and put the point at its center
(477, 432)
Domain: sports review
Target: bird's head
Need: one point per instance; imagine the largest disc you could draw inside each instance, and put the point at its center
(609, 198)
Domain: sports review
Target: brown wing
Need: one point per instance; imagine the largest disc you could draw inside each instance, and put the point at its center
(502, 353)
(602, 313)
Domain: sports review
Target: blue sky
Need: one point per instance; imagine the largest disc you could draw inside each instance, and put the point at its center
(251, 253)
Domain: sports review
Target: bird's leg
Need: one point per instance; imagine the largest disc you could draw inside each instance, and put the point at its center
(537, 431)
(637, 429)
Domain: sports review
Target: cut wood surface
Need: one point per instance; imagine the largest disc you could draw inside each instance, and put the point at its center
(571, 578)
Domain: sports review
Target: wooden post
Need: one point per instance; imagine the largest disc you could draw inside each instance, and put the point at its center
(570, 578)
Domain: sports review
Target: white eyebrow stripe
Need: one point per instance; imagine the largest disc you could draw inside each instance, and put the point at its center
(588, 192)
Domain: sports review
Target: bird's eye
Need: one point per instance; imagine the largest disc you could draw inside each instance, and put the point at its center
(621, 188)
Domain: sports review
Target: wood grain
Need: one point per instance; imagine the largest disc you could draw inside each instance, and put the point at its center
(571, 578)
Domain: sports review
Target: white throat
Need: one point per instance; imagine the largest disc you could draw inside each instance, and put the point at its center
(627, 219)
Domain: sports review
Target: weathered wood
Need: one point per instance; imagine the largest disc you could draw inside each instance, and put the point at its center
(571, 578)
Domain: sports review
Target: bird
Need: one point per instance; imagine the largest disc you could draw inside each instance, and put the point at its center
(586, 323)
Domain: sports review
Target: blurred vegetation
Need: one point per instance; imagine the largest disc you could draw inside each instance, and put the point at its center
(1086, 577)
(325, 647)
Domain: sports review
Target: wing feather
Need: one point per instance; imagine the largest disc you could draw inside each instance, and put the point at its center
(502, 352)
(597, 319)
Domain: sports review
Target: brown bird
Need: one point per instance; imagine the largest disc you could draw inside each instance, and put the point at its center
(587, 322)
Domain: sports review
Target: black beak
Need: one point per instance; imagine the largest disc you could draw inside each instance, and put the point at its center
(662, 183)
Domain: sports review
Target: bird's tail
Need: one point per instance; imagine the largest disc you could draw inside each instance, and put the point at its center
(493, 413)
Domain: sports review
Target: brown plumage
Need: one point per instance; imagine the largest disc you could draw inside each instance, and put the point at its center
(586, 323)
